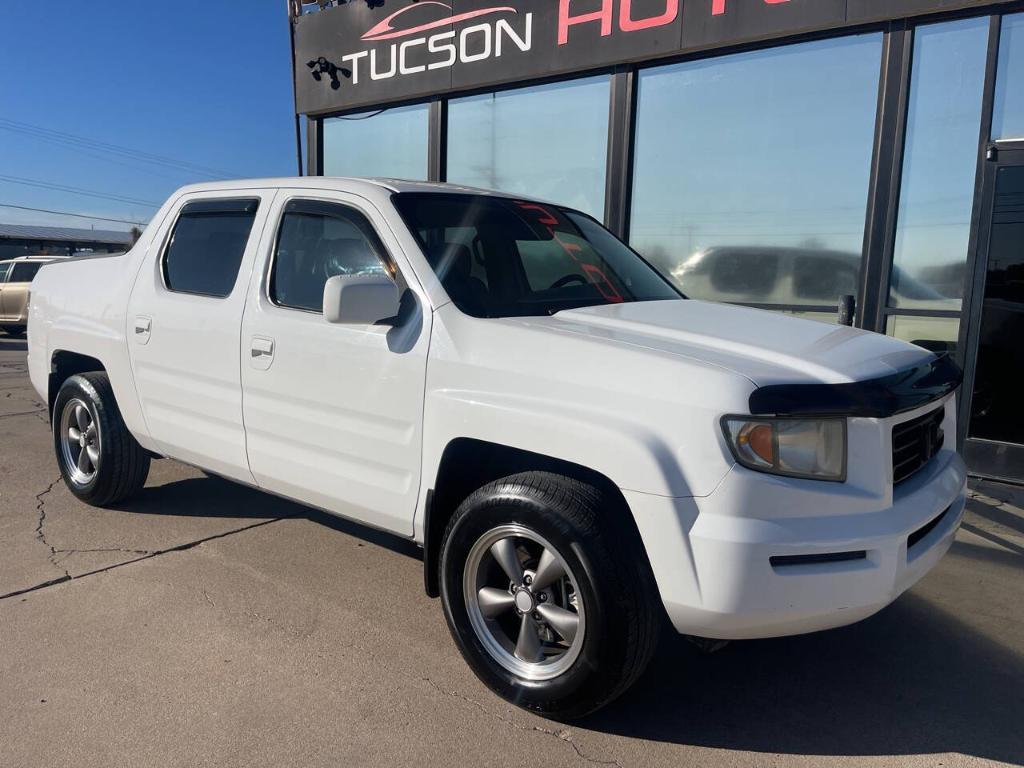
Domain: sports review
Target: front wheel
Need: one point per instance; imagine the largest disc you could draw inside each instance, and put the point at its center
(100, 461)
(549, 600)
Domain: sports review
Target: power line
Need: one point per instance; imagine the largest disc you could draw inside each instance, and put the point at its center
(173, 175)
(78, 191)
(66, 213)
(75, 141)
(110, 158)
(63, 136)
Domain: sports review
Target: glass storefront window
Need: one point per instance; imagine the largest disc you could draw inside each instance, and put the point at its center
(1008, 117)
(752, 171)
(939, 334)
(391, 143)
(549, 142)
(995, 411)
(939, 165)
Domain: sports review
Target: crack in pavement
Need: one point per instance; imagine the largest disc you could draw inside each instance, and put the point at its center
(563, 735)
(21, 413)
(41, 534)
(155, 553)
(70, 552)
(54, 551)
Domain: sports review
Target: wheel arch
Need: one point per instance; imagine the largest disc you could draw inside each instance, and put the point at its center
(63, 365)
(469, 463)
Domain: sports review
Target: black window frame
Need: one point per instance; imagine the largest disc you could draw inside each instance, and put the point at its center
(295, 205)
(210, 207)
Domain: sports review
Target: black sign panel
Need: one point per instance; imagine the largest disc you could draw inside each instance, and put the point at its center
(733, 21)
(860, 11)
(571, 36)
(346, 56)
(355, 55)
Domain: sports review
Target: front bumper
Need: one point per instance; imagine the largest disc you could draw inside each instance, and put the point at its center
(714, 569)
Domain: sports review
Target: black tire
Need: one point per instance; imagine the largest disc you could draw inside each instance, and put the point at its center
(15, 331)
(623, 616)
(123, 464)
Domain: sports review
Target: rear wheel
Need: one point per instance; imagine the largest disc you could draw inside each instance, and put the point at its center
(100, 461)
(547, 598)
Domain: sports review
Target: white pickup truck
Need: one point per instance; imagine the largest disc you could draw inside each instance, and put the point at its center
(582, 453)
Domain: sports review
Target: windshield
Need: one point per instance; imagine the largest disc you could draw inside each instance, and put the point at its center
(500, 257)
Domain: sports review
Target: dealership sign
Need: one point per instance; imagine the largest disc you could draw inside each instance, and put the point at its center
(369, 53)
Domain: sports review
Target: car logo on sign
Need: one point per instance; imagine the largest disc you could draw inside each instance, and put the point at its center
(385, 31)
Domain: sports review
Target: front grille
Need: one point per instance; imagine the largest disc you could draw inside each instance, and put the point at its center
(915, 443)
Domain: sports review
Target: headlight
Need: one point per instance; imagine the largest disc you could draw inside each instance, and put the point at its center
(809, 448)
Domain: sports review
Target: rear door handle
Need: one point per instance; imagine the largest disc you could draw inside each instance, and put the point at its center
(143, 326)
(261, 352)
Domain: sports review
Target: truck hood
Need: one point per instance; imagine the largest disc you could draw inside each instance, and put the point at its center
(766, 347)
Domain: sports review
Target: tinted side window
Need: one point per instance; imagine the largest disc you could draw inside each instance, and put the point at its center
(4, 268)
(207, 245)
(317, 241)
(24, 272)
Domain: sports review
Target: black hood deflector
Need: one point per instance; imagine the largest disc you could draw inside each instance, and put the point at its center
(875, 398)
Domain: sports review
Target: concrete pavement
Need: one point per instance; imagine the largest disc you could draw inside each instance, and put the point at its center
(207, 624)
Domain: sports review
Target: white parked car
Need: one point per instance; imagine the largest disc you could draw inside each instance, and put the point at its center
(582, 453)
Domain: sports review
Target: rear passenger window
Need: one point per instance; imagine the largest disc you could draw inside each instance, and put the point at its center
(207, 245)
(317, 241)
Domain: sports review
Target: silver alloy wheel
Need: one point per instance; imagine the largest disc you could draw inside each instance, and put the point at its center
(79, 442)
(524, 603)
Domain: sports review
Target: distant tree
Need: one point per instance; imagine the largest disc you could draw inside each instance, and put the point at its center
(136, 233)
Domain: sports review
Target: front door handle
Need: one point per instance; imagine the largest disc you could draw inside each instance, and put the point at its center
(261, 352)
(262, 346)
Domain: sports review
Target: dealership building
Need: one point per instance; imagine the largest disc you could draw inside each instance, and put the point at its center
(782, 154)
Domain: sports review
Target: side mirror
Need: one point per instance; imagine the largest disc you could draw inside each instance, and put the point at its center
(360, 299)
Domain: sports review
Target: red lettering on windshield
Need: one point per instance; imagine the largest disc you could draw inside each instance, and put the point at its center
(546, 218)
(602, 283)
(599, 279)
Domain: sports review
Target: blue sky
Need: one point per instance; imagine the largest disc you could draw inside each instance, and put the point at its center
(202, 83)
